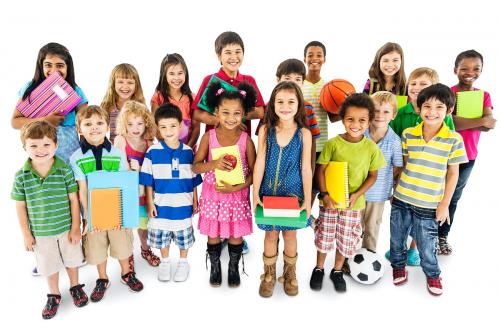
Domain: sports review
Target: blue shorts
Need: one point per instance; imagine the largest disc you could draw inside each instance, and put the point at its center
(158, 239)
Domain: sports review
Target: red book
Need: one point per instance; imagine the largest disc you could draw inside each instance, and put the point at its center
(281, 206)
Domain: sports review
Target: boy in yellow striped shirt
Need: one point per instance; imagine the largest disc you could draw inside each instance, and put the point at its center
(431, 155)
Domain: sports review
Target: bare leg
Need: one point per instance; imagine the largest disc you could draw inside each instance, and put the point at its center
(339, 260)
(271, 243)
(73, 276)
(101, 269)
(320, 259)
(165, 252)
(53, 283)
(290, 241)
(143, 236)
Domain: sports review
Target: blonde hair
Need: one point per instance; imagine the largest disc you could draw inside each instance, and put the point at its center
(38, 130)
(89, 111)
(125, 71)
(136, 109)
(383, 97)
(417, 73)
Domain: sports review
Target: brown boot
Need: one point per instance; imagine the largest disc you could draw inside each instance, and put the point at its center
(288, 278)
(268, 279)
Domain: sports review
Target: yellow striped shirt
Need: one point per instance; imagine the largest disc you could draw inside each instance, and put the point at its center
(311, 93)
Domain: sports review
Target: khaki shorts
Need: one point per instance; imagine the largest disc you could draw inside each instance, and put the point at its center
(119, 242)
(54, 253)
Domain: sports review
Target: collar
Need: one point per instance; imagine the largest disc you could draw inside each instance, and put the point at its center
(221, 74)
(443, 132)
(408, 109)
(85, 146)
(58, 163)
(168, 148)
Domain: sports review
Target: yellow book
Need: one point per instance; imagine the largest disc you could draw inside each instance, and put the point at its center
(235, 176)
(470, 104)
(337, 183)
(106, 209)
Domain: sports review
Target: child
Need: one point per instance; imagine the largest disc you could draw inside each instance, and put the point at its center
(136, 130)
(431, 153)
(173, 87)
(342, 227)
(468, 68)
(51, 58)
(170, 192)
(282, 168)
(225, 211)
(49, 216)
(390, 144)
(97, 153)
(387, 71)
(124, 84)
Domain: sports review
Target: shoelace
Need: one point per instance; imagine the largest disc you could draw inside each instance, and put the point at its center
(52, 301)
(100, 286)
(132, 279)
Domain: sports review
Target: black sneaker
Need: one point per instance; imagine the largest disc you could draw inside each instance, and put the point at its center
(50, 309)
(80, 298)
(100, 288)
(317, 278)
(338, 280)
(133, 283)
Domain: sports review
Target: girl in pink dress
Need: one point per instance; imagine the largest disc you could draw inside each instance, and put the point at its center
(225, 212)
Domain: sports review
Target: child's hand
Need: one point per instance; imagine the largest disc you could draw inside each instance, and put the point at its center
(222, 164)
(74, 236)
(352, 199)
(195, 206)
(256, 201)
(489, 122)
(55, 118)
(307, 207)
(328, 202)
(227, 188)
(442, 214)
(152, 213)
(29, 242)
(134, 165)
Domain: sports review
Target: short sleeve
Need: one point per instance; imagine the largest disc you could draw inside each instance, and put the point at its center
(197, 180)
(366, 88)
(327, 153)
(123, 160)
(377, 159)
(404, 144)
(146, 174)
(18, 192)
(157, 98)
(77, 171)
(397, 153)
(448, 121)
(457, 154)
(69, 180)
(80, 93)
(487, 100)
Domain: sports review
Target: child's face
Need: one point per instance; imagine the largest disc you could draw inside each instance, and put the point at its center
(170, 129)
(175, 76)
(384, 113)
(315, 58)
(124, 88)
(415, 85)
(286, 105)
(433, 112)
(94, 129)
(356, 121)
(40, 150)
(53, 63)
(469, 70)
(293, 77)
(230, 113)
(390, 63)
(231, 57)
(135, 126)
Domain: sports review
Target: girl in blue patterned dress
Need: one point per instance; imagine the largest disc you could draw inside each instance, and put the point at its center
(283, 168)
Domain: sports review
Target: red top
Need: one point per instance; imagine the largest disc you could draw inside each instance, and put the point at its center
(281, 202)
(139, 156)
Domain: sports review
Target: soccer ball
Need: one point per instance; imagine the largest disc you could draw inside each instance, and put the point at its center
(366, 266)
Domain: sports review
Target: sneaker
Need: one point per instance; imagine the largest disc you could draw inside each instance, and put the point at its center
(164, 271)
(338, 280)
(413, 257)
(35, 272)
(100, 288)
(80, 298)
(434, 286)
(245, 250)
(133, 283)
(316, 282)
(50, 309)
(182, 271)
(399, 276)
(444, 248)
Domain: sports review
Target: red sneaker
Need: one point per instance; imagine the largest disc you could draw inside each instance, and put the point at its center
(80, 298)
(434, 286)
(100, 288)
(133, 283)
(50, 309)
(399, 276)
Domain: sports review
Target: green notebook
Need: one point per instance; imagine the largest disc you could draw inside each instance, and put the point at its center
(298, 222)
(402, 100)
(202, 104)
(470, 104)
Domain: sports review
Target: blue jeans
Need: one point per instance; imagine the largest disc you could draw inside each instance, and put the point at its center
(425, 226)
(465, 170)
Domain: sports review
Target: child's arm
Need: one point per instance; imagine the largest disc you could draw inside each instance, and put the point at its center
(257, 113)
(259, 167)
(195, 201)
(201, 166)
(82, 195)
(19, 120)
(369, 181)
(487, 121)
(150, 204)
(333, 117)
(22, 215)
(75, 234)
(328, 202)
(195, 133)
(442, 213)
(306, 170)
(313, 155)
(205, 117)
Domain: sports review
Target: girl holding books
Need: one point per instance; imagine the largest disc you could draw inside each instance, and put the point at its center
(225, 210)
(283, 169)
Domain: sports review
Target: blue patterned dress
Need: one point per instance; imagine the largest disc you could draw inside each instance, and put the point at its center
(283, 172)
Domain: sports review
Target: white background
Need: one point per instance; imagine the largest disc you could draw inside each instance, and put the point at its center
(102, 34)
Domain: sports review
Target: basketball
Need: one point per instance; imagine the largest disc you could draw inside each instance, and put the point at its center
(334, 93)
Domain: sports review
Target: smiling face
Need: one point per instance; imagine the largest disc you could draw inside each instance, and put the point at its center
(286, 105)
(315, 58)
(384, 113)
(124, 88)
(231, 58)
(468, 71)
(433, 112)
(356, 121)
(176, 76)
(390, 63)
(135, 126)
(93, 129)
(53, 63)
(415, 85)
(41, 150)
(230, 113)
(170, 130)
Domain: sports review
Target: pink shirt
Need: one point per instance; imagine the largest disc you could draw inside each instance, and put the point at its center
(471, 136)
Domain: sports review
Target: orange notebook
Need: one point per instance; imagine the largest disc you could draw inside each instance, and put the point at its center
(106, 209)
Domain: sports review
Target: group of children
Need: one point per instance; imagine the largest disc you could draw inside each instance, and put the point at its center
(407, 156)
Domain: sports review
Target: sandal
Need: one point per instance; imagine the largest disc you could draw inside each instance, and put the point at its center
(444, 246)
(151, 258)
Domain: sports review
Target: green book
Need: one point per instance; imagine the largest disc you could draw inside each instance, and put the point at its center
(470, 104)
(202, 104)
(298, 222)
(402, 100)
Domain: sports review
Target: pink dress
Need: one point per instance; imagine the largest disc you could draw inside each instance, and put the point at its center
(225, 214)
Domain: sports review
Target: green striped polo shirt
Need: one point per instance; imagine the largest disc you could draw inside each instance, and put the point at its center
(423, 179)
(46, 198)
(85, 163)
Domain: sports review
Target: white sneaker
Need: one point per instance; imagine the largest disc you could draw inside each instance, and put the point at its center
(182, 272)
(164, 271)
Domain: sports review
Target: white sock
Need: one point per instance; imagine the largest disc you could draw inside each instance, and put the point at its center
(183, 260)
(165, 260)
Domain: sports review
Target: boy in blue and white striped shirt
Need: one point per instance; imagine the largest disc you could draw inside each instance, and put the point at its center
(171, 194)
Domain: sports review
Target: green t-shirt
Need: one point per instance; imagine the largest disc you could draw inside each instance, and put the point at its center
(361, 157)
(407, 118)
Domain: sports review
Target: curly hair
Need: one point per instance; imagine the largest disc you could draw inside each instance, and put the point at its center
(245, 93)
(136, 109)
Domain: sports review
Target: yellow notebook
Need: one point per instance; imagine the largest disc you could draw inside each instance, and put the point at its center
(235, 176)
(337, 183)
(106, 209)
(402, 100)
(470, 104)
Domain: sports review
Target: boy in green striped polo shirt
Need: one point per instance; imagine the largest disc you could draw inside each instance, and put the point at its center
(431, 155)
(49, 214)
